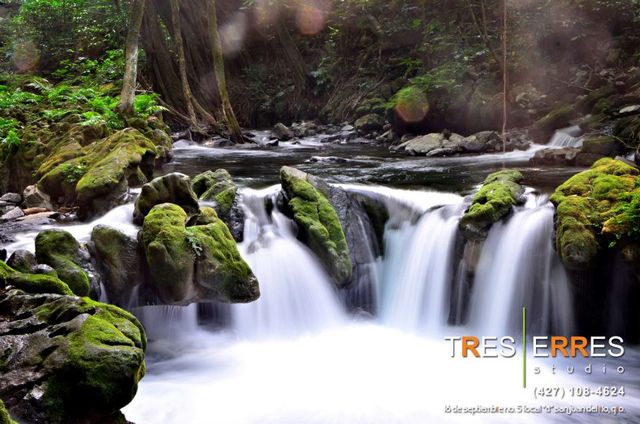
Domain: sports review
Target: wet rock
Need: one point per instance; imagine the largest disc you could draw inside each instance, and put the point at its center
(61, 251)
(22, 260)
(34, 198)
(12, 214)
(593, 208)
(120, 263)
(559, 117)
(602, 145)
(14, 198)
(304, 129)
(198, 263)
(318, 222)
(500, 192)
(218, 187)
(171, 188)
(282, 132)
(67, 359)
(560, 157)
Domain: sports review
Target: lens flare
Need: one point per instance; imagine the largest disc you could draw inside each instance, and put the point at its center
(26, 56)
(310, 19)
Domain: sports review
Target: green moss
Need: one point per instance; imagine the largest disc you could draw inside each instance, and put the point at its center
(206, 255)
(319, 225)
(171, 188)
(4, 415)
(206, 216)
(500, 192)
(594, 207)
(105, 362)
(60, 250)
(216, 186)
(559, 117)
(32, 283)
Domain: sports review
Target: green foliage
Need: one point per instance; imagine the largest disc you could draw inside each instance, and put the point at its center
(147, 104)
(72, 173)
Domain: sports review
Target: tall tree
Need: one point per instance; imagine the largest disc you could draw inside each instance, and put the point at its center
(218, 68)
(190, 101)
(128, 94)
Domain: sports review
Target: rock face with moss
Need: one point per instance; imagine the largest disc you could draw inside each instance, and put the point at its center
(32, 283)
(597, 208)
(218, 187)
(500, 192)
(4, 415)
(171, 188)
(189, 264)
(61, 251)
(67, 359)
(97, 176)
(120, 262)
(318, 222)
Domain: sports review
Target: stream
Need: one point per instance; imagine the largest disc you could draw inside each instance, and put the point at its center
(298, 356)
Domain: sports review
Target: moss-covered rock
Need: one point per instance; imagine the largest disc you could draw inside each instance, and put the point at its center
(32, 283)
(596, 208)
(218, 187)
(120, 262)
(188, 264)
(61, 251)
(500, 192)
(559, 117)
(67, 359)
(319, 225)
(603, 145)
(97, 176)
(171, 188)
(4, 415)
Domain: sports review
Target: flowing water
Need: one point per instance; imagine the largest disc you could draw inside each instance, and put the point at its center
(297, 356)
(567, 137)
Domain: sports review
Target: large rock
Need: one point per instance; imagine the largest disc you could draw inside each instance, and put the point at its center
(14, 198)
(61, 251)
(218, 187)
(369, 123)
(318, 224)
(423, 145)
(67, 359)
(32, 283)
(281, 131)
(557, 118)
(35, 198)
(597, 207)
(603, 145)
(12, 214)
(500, 192)
(198, 263)
(120, 261)
(98, 176)
(171, 188)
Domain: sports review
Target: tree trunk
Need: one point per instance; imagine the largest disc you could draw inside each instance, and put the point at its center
(179, 44)
(218, 67)
(128, 94)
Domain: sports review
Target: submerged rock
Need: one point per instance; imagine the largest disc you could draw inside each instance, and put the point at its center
(596, 208)
(67, 359)
(171, 188)
(500, 192)
(190, 264)
(318, 222)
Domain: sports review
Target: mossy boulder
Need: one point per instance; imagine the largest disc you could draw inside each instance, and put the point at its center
(557, 118)
(602, 145)
(4, 415)
(318, 224)
(500, 192)
(197, 263)
(67, 359)
(218, 187)
(32, 283)
(98, 175)
(171, 188)
(120, 262)
(595, 208)
(61, 251)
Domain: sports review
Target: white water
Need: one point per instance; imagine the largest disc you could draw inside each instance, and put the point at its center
(518, 268)
(567, 137)
(296, 293)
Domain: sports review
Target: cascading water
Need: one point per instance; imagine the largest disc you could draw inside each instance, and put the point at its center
(418, 271)
(296, 293)
(567, 137)
(518, 267)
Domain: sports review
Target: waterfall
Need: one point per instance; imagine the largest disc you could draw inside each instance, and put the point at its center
(518, 267)
(567, 137)
(168, 321)
(296, 293)
(418, 271)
